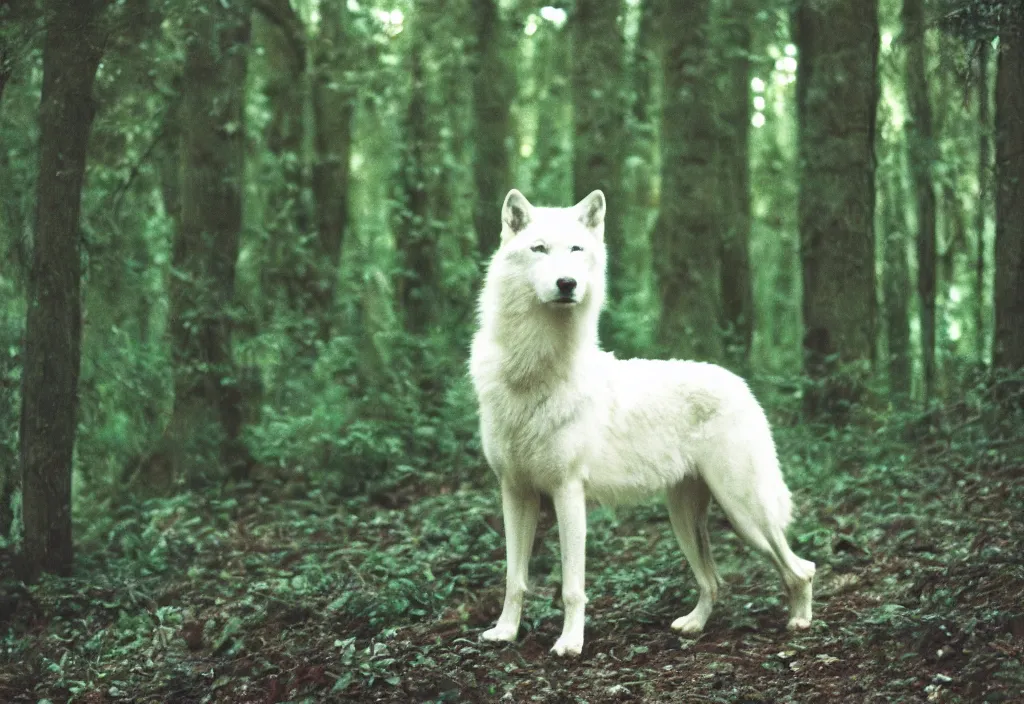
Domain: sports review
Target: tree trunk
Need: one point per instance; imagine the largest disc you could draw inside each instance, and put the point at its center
(737, 286)
(954, 234)
(552, 173)
(6, 54)
(599, 126)
(416, 237)
(896, 289)
(494, 89)
(686, 235)
(10, 471)
(981, 204)
(15, 26)
(333, 109)
(12, 25)
(645, 65)
(837, 95)
(646, 74)
(6, 69)
(281, 35)
(207, 415)
(1009, 274)
(53, 327)
(921, 149)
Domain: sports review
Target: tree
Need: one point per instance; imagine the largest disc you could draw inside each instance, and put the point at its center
(12, 39)
(6, 67)
(9, 16)
(599, 125)
(1009, 138)
(896, 284)
(307, 275)
(837, 95)
(72, 50)
(645, 71)
(551, 175)
(494, 89)
(686, 235)
(284, 59)
(415, 234)
(982, 203)
(734, 112)
(207, 413)
(333, 109)
(921, 152)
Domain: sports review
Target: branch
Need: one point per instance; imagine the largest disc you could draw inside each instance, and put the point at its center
(120, 193)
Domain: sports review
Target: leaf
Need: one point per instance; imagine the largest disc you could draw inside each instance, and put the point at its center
(233, 626)
(343, 682)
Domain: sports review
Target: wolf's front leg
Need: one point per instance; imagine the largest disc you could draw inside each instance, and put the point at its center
(520, 510)
(571, 509)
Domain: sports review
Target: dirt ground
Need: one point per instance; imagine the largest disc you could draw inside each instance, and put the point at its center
(297, 598)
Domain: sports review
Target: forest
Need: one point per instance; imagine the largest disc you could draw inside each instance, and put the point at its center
(241, 246)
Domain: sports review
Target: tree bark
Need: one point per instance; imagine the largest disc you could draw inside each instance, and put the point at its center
(599, 125)
(12, 26)
(737, 286)
(6, 69)
(281, 35)
(646, 74)
(416, 237)
(53, 329)
(6, 55)
(207, 413)
(686, 235)
(837, 95)
(333, 109)
(494, 89)
(15, 26)
(552, 174)
(920, 140)
(896, 289)
(1008, 350)
(981, 204)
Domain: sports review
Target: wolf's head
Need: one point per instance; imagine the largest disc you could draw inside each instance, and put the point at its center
(557, 253)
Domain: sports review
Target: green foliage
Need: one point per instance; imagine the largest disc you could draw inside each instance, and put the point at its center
(289, 587)
(978, 20)
(125, 399)
(410, 425)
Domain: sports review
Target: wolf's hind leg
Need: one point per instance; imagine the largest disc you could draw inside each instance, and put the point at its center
(688, 511)
(797, 576)
(749, 511)
(520, 510)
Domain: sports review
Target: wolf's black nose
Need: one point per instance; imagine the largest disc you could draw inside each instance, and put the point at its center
(566, 286)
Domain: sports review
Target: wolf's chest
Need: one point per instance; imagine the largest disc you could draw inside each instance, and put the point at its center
(534, 435)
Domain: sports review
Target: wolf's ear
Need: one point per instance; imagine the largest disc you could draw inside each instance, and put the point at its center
(516, 214)
(591, 212)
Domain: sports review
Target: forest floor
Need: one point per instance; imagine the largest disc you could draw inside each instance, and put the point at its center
(281, 592)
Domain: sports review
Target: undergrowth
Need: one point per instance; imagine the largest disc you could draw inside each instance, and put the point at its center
(293, 588)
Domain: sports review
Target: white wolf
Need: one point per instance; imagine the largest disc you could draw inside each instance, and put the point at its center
(561, 417)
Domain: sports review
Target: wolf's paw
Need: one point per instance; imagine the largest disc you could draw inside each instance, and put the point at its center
(500, 633)
(798, 624)
(568, 645)
(690, 624)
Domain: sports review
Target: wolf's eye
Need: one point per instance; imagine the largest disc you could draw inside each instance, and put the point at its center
(575, 248)
(539, 248)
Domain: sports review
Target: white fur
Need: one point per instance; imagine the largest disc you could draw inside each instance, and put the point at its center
(561, 417)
